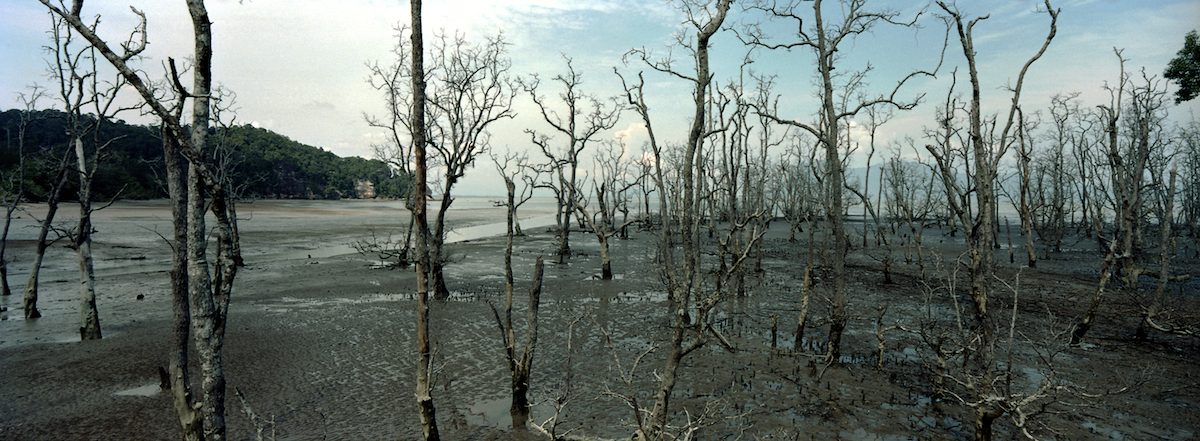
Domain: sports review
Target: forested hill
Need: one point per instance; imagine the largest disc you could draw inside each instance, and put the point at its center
(265, 164)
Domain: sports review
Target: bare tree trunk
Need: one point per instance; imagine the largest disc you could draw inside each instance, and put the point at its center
(1165, 220)
(31, 286)
(11, 206)
(1024, 153)
(209, 301)
(231, 208)
(684, 284)
(520, 375)
(4, 288)
(191, 424)
(89, 318)
(437, 254)
(424, 361)
(802, 318)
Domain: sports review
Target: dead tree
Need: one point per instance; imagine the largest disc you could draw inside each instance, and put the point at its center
(1127, 163)
(13, 191)
(394, 82)
(208, 291)
(612, 182)
(521, 170)
(875, 117)
(1052, 187)
(824, 38)
(1026, 206)
(73, 98)
(679, 239)
(424, 356)
(980, 234)
(79, 87)
(470, 89)
(520, 364)
(582, 120)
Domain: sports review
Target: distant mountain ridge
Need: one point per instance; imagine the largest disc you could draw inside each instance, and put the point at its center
(264, 164)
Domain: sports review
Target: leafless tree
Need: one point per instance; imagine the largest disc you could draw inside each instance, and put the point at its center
(798, 193)
(985, 151)
(394, 81)
(1190, 185)
(208, 291)
(1127, 163)
(679, 239)
(13, 191)
(73, 98)
(516, 167)
(838, 105)
(1052, 189)
(469, 91)
(876, 117)
(611, 185)
(580, 122)
(520, 363)
(1025, 203)
(424, 359)
(79, 86)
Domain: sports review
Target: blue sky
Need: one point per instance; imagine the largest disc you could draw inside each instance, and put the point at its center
(298, 66)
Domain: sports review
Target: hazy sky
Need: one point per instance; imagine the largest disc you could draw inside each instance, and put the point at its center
(298, 67)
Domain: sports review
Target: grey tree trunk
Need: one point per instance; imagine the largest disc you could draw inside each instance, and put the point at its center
(89, 317)
(981, 228)
(683, 281)
(208, 301)
(191, 424)
(424, 360)
(31, 285)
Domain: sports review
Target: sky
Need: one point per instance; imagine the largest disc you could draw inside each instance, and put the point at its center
(298, 67)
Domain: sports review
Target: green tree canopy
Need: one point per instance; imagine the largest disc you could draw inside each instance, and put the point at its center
(1185, 69)
(263, 163)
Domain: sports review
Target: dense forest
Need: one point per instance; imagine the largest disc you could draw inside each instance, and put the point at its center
(267, 164)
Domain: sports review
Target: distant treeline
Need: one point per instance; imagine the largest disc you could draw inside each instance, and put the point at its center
(264, 164)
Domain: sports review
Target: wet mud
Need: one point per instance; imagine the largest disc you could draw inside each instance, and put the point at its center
(320, 341)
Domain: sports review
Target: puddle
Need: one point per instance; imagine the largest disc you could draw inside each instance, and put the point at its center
(148, 390)
(494, 413)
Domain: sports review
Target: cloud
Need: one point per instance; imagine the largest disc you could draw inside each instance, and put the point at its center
(325, 106)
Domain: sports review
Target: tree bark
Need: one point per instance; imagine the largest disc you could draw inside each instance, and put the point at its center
(682, 284)
(424, 361)
(31, 285)
(191, 424)
(520, 375)
(89, 317)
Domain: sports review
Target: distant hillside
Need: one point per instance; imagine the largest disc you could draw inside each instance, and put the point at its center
(266, 164)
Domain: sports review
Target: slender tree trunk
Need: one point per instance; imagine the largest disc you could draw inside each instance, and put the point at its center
(89, 317)
(191, 424)
(424, 361)
(206, 304)
(31, 286)
(5, 290)
(236, 236)
(1165, 221)
(605, 260)
(520, 377)
(437, 243)
(564, 242)
(803, 316)
(835, 182)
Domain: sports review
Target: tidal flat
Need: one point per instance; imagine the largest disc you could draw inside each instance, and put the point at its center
(320, 338)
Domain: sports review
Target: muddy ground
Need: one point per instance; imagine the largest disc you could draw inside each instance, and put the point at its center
(320, 340)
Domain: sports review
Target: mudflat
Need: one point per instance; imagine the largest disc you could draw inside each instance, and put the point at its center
(320, 338)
